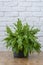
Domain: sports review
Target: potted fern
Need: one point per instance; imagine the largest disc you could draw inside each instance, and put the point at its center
(22, 40)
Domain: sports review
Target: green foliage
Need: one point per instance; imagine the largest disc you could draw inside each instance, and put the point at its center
(23, 38)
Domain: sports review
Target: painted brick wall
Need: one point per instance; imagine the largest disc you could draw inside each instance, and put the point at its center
(30, 11)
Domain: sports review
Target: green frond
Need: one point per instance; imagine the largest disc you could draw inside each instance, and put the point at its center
(23, 38)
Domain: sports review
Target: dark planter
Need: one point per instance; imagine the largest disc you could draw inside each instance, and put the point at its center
(20, 55)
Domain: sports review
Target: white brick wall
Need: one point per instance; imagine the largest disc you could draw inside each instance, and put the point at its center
(30, 11)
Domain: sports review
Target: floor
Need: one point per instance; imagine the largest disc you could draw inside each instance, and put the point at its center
(6, 58)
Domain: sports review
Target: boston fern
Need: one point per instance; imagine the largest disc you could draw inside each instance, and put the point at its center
(22, 38)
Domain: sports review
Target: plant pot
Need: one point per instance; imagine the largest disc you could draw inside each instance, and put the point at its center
(19, 55)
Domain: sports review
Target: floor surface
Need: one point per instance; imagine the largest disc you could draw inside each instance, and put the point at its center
(6, 58)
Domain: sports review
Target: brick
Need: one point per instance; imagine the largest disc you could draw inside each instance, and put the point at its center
(35, 20)
(1, 14)
(38, 4)
(13, 4)
(41, 9)
(9, 9)
(24, 4)
(1, 4)
(33, 9)
(37, 14)
(8, 19)
(34, 0)
(21, 9)
(2, 34)
(25, 14)
(42, 48)
(5, 0)
(40, 39)
(41, 20)
(22, 0)
(11, 14)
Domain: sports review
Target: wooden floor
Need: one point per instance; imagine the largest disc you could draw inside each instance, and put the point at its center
(6, 58)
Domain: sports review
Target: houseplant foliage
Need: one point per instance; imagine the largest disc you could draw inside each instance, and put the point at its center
(23, 38)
